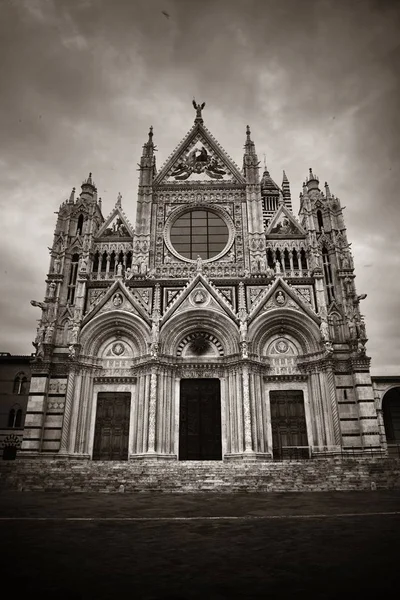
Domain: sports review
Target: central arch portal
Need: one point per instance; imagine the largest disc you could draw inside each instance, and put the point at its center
(200, 420)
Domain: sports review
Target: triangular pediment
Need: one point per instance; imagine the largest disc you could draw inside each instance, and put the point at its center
(283, 224)
(118, 297)
(116, 225)
(280, 295)
(199, 293)
(199, 158)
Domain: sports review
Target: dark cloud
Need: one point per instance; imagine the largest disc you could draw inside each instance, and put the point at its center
(82, 80)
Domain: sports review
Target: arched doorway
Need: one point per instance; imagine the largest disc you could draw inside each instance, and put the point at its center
(391, 418)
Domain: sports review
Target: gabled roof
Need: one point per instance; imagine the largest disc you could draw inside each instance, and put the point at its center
(284, 224)
(199, 282)
(270, 299)
(200, 158)
(128, 304)
(116, 213)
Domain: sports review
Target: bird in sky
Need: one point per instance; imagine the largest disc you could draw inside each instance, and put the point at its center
(165, 14)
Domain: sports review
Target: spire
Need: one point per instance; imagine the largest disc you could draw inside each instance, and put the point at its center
(286, 191)
(250, 159)
(148, 147)
(100, 203)
(88, 188)
(72, 197)
(327, 191)
(312, 181)
(249, 146)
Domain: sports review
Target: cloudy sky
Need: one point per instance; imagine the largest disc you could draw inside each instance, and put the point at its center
(82, 81)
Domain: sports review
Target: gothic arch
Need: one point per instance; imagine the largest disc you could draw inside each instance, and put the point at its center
(102, 327)
(183, 324)
(297, 325)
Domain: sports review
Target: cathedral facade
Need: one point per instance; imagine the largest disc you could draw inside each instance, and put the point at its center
(220, 327)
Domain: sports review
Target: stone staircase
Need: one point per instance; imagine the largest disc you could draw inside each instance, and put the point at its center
(327, 474)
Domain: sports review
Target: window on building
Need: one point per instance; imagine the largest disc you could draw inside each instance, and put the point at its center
(73, 274)
(303, 259)
(15, 416)
(79, 227)
(21, 384)
(320, 220)
(330, 289)
(199, 233)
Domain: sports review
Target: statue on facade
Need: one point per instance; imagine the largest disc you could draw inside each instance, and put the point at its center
(72, 350)
(38, 343)
(83, 265)
(56, 265)
(270, 272)
(324, 329)
(243, 330)
(48, 338)
(199, 264)
(119, 270)
(245, 349)
(52, 289)
(277, 267)
(198, 108)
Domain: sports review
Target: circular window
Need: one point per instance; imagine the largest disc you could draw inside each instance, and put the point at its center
(199, 233)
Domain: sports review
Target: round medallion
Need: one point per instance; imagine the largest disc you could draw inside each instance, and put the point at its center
(118, 348)
(281, 346)
(199, 297)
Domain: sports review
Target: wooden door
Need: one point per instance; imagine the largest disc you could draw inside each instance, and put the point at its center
(200, 420)
(288, 421)
(112, 426)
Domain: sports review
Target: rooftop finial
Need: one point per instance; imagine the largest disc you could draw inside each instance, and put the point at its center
(248, 132)
(198, 108)
(265, 162)
(119, 199)
(151, 133)
(72, 196)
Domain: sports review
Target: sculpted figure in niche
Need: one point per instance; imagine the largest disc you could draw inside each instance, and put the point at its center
(117, 300)
(119, 270)
(277, 267)
(56, 265)
(280, 298)
(199, 264)
(243, 330)
(324, 328)
(52, 289)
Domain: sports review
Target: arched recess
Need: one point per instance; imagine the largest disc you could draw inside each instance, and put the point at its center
(104, 327)
(391, 415)
(299, 326)
(183, 324)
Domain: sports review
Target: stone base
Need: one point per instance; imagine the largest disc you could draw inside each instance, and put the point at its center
(248, 457)
(151, 456)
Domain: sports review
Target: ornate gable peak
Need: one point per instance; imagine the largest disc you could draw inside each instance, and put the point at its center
(118, 288)
(284, 224)
(209, 287)
(199, 158)
(122, 226)
(281, 295)
(335, 308)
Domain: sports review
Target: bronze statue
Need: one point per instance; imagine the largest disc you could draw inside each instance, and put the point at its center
(199, 108)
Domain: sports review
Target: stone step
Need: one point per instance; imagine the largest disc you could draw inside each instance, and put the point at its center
(311, 475)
